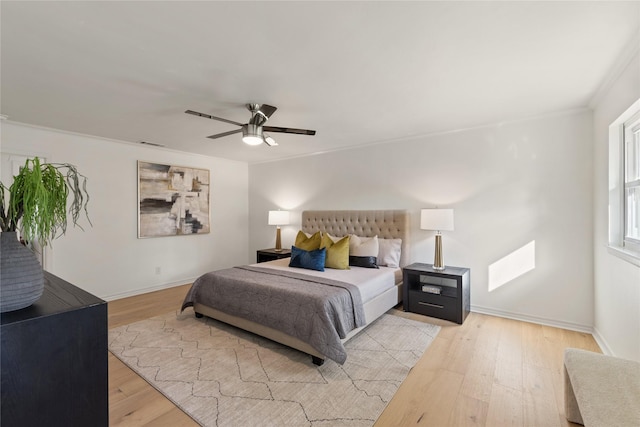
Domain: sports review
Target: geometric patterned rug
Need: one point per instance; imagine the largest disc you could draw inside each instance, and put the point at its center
(223, 376)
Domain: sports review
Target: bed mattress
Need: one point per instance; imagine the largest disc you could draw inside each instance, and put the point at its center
(370, 281)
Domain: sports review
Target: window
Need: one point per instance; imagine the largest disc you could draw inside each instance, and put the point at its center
(624, 185)
(631, 155)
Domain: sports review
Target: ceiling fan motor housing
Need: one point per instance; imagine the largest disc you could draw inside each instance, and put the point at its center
(252, 134)
(258, 116)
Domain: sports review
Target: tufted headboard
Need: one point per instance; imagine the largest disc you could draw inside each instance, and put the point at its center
(386, 224)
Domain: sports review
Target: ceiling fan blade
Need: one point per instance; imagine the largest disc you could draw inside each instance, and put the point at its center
(267, 110)
(289, 130)
(207, 116)
(269, 140)
(220, 135)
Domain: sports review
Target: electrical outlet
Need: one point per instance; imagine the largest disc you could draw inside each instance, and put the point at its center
(158, 270)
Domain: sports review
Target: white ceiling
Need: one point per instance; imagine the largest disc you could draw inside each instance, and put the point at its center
(356, 72)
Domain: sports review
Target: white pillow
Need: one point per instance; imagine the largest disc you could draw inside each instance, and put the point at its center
(363, 251)
(363, 246)
(389, 252)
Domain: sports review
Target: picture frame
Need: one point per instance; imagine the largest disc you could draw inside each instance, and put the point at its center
(172, 200)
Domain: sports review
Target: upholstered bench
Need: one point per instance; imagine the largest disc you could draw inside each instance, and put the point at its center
(601, 390)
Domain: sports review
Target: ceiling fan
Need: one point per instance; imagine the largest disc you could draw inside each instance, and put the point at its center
(253, 131)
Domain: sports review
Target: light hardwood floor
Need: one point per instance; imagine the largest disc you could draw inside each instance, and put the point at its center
(489, 371)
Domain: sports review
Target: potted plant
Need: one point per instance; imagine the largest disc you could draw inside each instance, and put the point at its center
(36, 205)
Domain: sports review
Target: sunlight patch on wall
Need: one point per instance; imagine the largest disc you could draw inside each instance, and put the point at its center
(512, 266)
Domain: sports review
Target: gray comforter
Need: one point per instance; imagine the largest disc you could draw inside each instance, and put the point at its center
(315, 310)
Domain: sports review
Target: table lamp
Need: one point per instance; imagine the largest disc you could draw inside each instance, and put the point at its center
(438, 220)
(278, 218)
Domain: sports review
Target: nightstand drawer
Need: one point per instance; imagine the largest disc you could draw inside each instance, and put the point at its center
(433, 305)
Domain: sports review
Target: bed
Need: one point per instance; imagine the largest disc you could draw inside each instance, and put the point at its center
(251, 283)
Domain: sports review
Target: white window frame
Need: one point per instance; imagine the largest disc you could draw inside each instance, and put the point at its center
(631, 134)
(619, 243)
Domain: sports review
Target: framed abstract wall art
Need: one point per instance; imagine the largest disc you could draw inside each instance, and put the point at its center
(172, 200)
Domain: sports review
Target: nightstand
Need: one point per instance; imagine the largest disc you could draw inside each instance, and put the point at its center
(443, 294)
(264, 255)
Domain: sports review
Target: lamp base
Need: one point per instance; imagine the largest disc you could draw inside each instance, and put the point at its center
(438, 263)
(278, 240)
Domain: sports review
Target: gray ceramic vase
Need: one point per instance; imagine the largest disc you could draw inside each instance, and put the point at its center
(21, 275)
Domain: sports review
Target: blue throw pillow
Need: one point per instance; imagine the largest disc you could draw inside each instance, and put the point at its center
(311, 260)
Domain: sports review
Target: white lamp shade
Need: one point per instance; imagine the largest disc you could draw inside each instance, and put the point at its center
(436, 219)
(278, 217)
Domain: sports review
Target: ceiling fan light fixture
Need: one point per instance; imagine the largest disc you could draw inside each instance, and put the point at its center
(252, 134)
(252, 140)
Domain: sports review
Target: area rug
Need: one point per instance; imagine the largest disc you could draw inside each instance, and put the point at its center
(222, 376)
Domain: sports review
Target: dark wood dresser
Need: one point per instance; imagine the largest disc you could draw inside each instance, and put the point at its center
(54, 360)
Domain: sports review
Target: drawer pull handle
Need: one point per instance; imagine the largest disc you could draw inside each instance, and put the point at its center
(431, 305)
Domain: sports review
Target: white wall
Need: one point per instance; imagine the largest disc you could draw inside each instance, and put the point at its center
(108, 259)
(509, 184)
(617, 282)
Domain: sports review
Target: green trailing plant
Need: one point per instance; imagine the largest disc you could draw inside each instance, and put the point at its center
(37, 200)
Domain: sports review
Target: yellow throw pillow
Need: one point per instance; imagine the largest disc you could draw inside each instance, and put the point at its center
(337, 253)
(308, 243)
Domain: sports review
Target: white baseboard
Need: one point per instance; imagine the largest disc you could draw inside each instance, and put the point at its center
(602, 343)
(534, 319)
(147, 290)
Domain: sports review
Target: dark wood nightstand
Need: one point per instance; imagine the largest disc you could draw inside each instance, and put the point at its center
(264, 255)
(443, 294)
